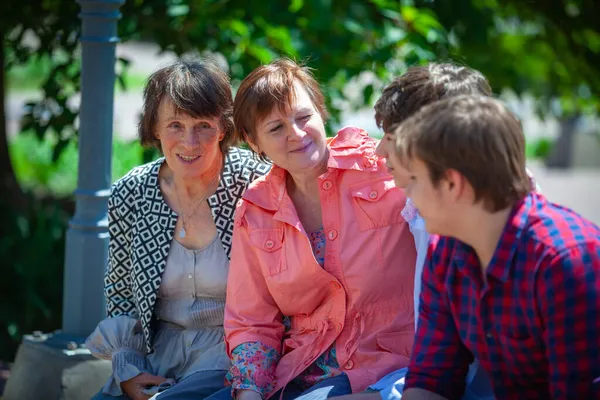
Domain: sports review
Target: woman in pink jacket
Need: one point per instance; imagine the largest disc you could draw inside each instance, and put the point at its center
(320, 288)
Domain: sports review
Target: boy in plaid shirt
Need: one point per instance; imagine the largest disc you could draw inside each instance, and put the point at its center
(511, 279)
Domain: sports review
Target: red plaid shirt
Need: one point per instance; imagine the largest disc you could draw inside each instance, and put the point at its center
(535, 326)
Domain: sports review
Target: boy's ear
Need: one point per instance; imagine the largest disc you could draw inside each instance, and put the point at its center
(455, 184)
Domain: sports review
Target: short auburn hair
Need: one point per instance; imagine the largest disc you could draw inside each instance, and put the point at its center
(476, 136)
(198, 88)
(422, 85)
(270, 86)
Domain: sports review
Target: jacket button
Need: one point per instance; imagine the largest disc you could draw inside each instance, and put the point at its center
(269, 244)
(332, 234)
(326, 185)
(349, 365)
(373, 195)
(335, 285)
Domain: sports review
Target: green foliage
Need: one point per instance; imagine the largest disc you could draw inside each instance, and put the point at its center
(38, 173)
(340, 39)
(29, 76)
(39, 32)
(32, 245)
(539, 148)
(549, 49)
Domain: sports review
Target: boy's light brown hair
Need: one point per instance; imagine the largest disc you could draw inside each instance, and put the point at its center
(476, 136)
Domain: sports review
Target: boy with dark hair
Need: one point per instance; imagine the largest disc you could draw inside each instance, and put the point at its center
(422, 85)
(407, 94)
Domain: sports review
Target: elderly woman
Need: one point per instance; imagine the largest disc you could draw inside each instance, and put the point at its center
(170, 224)
(319, 240)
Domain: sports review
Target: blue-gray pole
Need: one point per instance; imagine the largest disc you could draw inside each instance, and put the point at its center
(87, 236)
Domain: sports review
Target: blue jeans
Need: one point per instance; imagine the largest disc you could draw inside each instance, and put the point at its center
(195, 387)
(332, 387)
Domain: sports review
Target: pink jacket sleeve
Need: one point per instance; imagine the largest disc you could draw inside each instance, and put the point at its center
(251, 314)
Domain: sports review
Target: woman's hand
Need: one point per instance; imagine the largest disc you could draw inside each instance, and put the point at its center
(246, 394)
(134, 386)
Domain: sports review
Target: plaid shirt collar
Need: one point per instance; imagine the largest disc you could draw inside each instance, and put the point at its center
(465, 259)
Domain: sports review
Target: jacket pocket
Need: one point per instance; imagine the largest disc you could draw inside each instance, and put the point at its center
(268, 244)
(378, 203)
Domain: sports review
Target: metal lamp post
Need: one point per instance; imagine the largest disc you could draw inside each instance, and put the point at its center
(87, 237)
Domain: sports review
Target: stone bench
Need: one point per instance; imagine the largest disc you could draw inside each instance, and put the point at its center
(54, 367)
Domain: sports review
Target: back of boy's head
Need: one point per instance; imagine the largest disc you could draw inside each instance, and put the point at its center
(423, 85)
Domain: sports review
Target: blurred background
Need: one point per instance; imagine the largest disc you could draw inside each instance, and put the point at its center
(542, 57)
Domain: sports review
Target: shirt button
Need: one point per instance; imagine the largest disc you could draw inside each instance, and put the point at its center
(190, 276)
(332, 234)
(349, 365)
(269, 244)
(335, 285)
(338, 327)
(373, 195)
(326, 185)
(489, 336)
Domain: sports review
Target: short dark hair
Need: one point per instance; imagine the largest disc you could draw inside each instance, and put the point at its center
(422, 85)
(476, 136)
(197, 87)
(270, 86)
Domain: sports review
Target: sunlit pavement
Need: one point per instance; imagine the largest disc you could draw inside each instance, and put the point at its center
(578, 189)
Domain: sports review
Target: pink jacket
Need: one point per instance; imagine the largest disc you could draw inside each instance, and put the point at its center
(362, 300)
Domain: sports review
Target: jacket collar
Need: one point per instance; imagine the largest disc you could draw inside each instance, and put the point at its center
(351, 149)
(154, 205)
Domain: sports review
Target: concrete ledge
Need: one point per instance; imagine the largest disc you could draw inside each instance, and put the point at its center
(43, 370)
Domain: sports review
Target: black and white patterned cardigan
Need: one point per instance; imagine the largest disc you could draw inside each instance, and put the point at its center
(141, 227)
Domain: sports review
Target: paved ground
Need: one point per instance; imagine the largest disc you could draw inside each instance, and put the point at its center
(578, 189)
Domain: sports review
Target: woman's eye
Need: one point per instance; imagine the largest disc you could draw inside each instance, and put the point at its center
(275, 128)
(175, 125)
(305, 117)
(204, 125)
